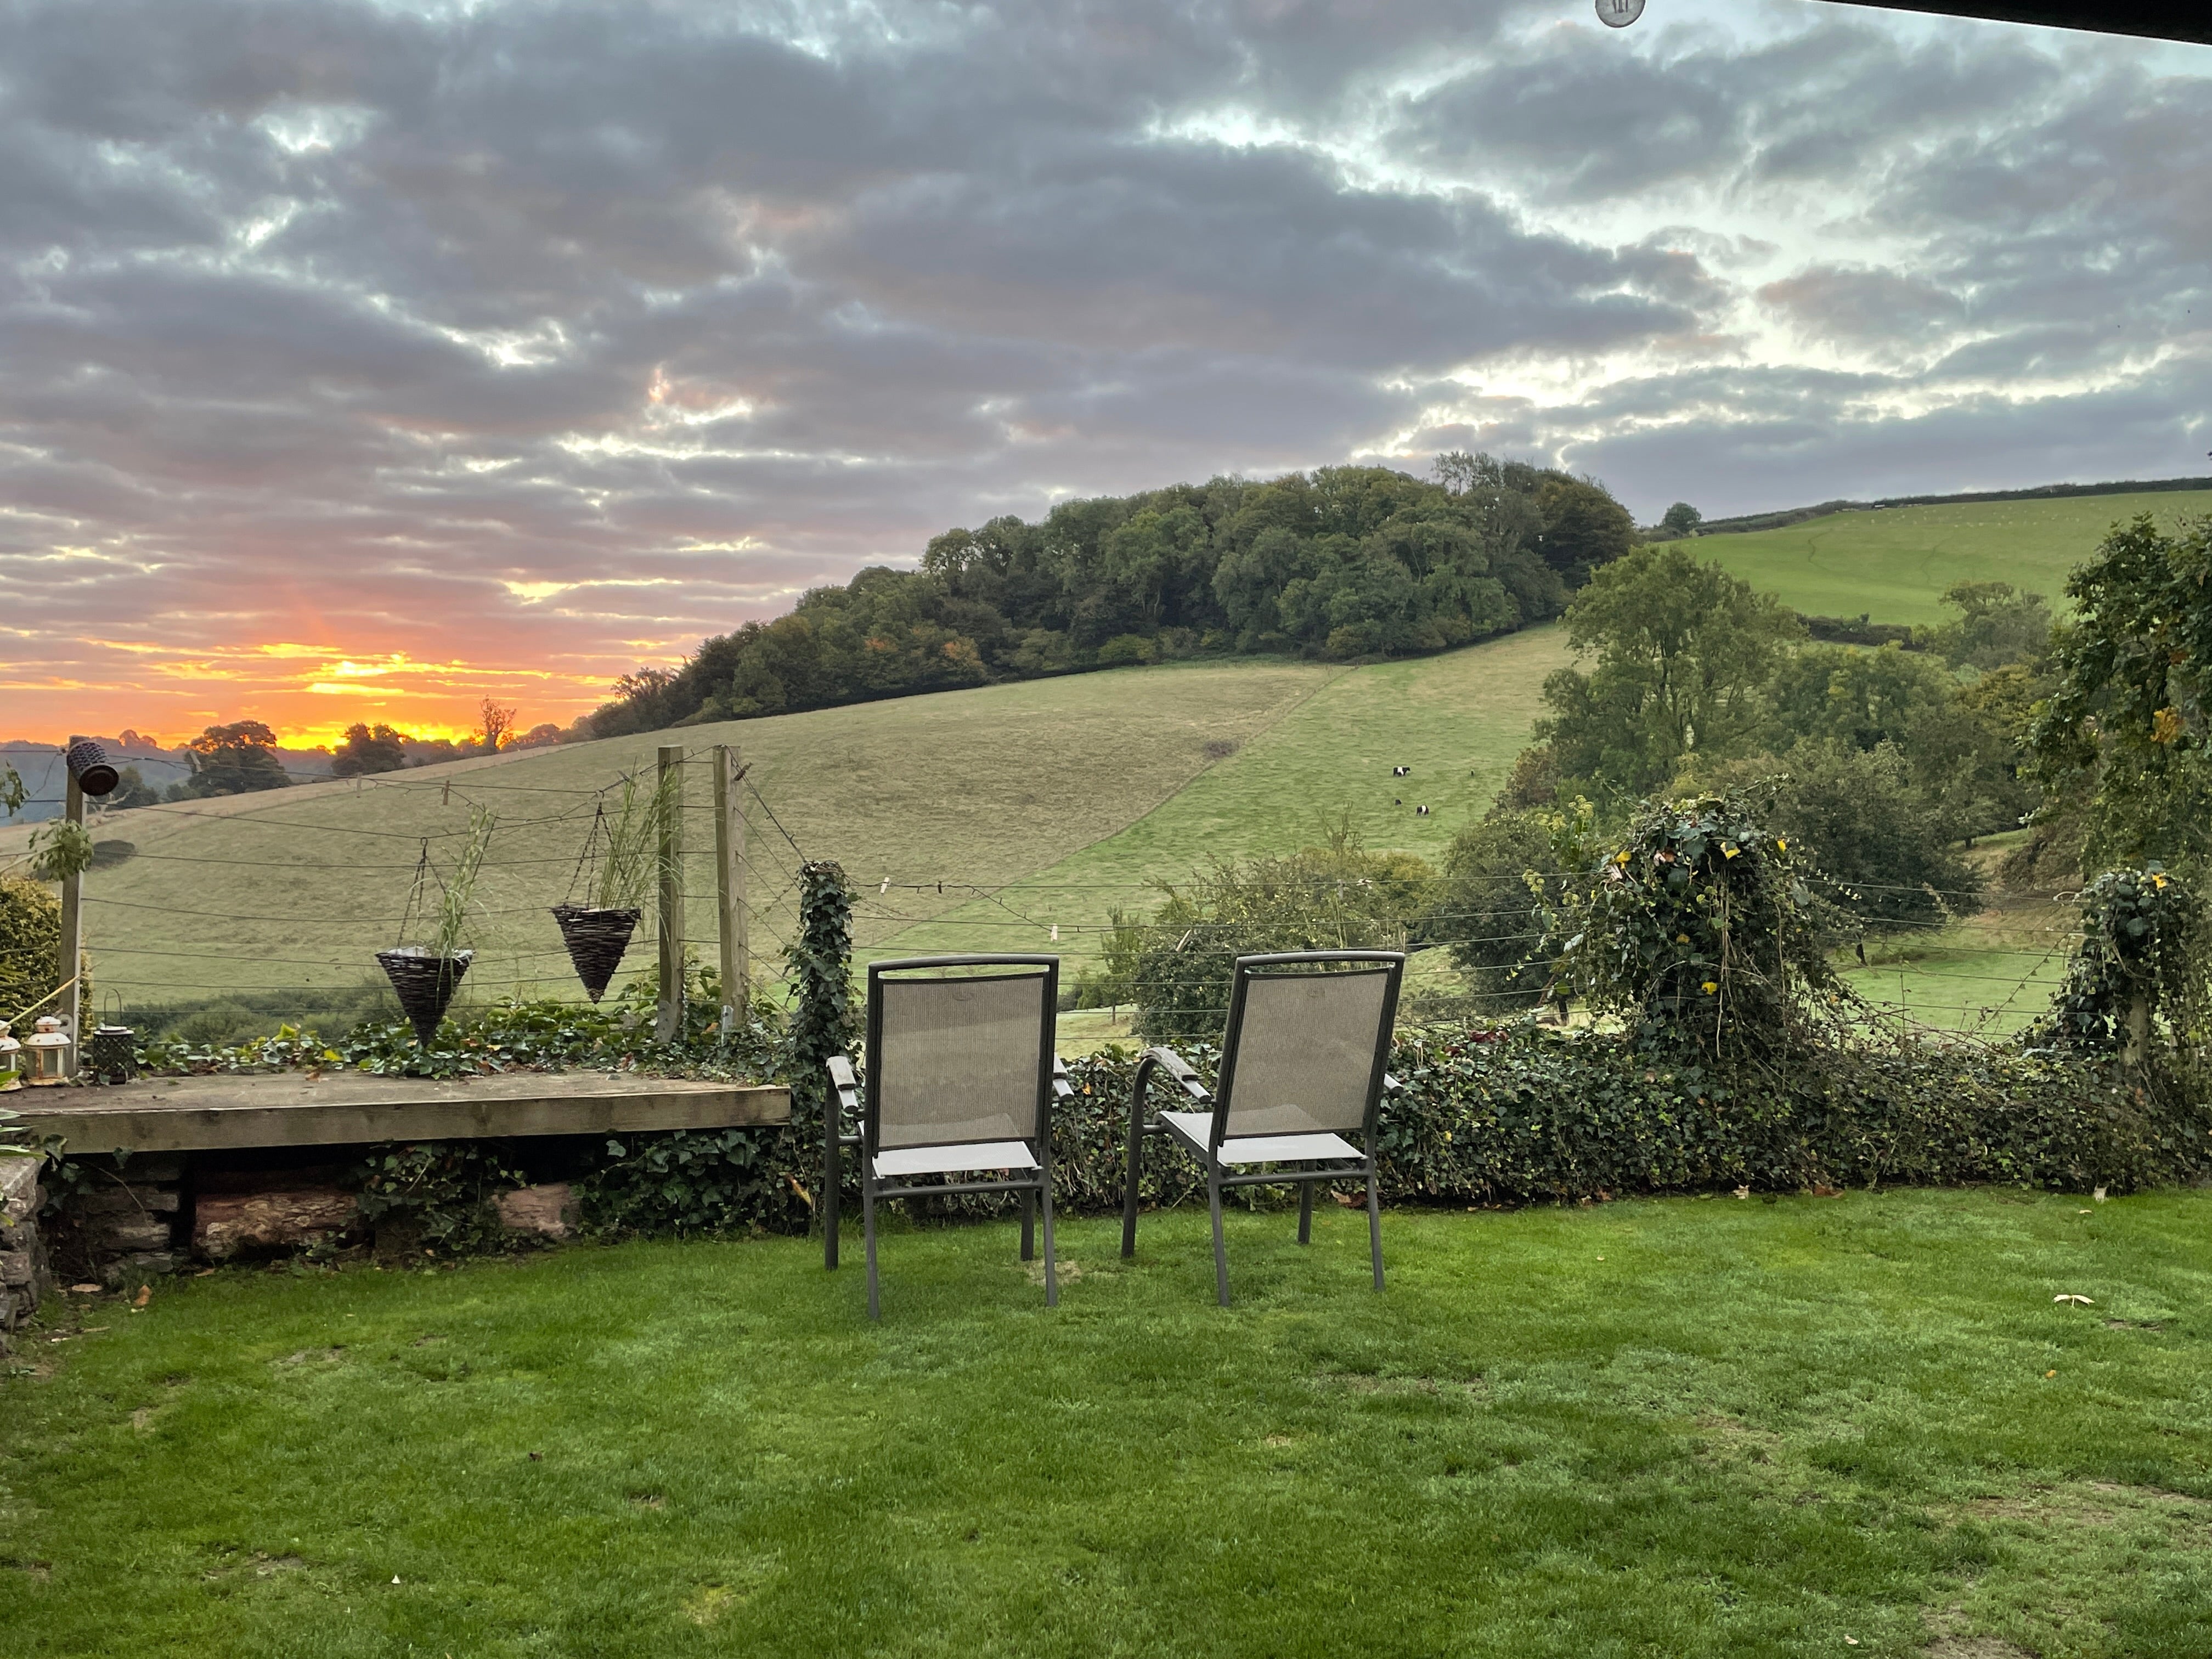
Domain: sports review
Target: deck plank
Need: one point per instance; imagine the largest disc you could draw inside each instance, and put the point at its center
(207, 1114)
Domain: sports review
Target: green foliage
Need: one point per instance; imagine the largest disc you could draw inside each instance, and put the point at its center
(12, 792)
(823, 1021)
(1341, 562)
(631, 842)
(445, 1191)
(2123, 736)
(458, 888)
(703, 1181)
(369, 749)
(1501, 878)
(1997, 624)
(30, 943)
(1860, 823)
(1682, 519)
(1697, 927)
(1683, 652)
(59, 850)
(1335, 897)
(2142, 957)
(231, 760)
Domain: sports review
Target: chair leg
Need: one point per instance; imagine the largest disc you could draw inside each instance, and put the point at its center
(831, 1173)
(1220, 1250)
(868, 1229)
(1051, 1258)
(1305, 1213)
(1028, 1227)
(1129, 1184)
(1374, 1225)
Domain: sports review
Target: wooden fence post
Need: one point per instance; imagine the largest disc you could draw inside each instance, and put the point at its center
(70, 1004)
(668, 1023)
(730, 886)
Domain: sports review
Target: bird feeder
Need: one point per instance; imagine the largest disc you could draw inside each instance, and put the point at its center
(90, 765)
(46, 1053)
(11, 1053)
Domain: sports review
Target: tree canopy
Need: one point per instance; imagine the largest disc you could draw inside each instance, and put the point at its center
(1341, 562)
(231, 760)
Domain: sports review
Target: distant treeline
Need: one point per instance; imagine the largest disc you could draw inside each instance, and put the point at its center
(1783, 520)
(1341, 562)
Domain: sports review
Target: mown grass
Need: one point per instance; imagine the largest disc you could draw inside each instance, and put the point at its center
(1894, 563)
(1853, 1424)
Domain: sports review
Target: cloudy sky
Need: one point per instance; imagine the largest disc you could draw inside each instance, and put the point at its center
(359, 361)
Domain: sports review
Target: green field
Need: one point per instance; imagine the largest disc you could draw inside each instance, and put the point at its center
(1857, 1424)
(975, 790)
(1893, 563)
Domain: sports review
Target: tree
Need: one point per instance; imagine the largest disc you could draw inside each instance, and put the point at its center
(131, 790)
(367, 749)
(1998, 624)
(1683, 652)
(1500, 878)
(1682, 519)
(231, 760)
(2122, 737)
(1584, 528)
(497, 726)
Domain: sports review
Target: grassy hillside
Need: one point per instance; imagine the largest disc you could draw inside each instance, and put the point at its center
(974, 789)
(1893, 563)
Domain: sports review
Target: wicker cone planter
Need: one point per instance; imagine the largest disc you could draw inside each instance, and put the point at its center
(425, 984)
(596, 940)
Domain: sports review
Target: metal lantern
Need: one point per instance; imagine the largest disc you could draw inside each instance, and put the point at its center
(46, 1053)
(11, 1054)
(112, 1052)
(89, 764)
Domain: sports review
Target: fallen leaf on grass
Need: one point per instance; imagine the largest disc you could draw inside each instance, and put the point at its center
(2098, 1195)
(84, 1290)
(2079, 1301)
(2047, 1375)
(145, 1295)
(1743, 1192)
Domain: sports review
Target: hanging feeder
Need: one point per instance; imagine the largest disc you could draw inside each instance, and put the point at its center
(90, 765)
(424, 983)
(596, 939)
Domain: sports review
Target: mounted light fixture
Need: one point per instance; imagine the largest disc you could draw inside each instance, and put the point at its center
(89, 764)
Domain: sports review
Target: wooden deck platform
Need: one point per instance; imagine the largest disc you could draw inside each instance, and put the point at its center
(206, 1114)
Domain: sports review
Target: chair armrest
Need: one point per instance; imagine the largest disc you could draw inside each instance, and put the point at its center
(1180, 1069)
(1390, 1084)
(1061, 1088)
(841, 1080)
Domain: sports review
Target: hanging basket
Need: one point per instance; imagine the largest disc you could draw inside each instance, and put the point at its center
(425, 984)
(596, 940)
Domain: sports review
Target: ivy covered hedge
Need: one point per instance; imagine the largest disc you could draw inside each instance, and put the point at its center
(1521, 1115)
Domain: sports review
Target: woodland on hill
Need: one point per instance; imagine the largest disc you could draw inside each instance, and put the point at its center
(1343, 562)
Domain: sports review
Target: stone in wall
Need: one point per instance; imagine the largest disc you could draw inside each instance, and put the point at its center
(23, 1279)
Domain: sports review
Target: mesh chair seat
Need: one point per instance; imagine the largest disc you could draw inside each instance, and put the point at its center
(1193, 1128)
(954, 1160)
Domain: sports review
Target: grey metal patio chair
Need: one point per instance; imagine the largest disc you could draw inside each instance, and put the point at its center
(1302, 1067)
(961, 1078)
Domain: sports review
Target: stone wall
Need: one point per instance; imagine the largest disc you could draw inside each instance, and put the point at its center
(24, 1280)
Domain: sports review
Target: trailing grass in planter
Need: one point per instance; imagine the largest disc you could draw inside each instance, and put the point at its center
(425, 976)
(598, 932)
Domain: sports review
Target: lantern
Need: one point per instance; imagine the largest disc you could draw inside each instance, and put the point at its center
(11, 1052)
(112, 1052)
(46, 1053)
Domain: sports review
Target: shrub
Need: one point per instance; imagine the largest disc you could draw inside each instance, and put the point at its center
(2141, 954)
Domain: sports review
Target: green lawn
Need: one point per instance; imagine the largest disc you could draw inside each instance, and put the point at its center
(1857, 1424)
(1895, 562)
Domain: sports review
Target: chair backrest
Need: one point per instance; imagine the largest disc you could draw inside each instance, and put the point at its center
(959, 1048)
(1308, 1038)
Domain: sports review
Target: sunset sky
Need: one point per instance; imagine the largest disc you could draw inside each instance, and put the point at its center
(358, 361)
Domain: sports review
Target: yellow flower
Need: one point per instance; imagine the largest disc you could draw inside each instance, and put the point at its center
(1711, 986)
(2159, 882)
(1621, 857)
(1783, 844)
(1681, 939)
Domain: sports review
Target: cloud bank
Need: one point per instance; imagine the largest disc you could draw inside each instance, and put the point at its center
(358, 361)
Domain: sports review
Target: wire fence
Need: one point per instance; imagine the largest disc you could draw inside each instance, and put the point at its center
(1985, 968)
